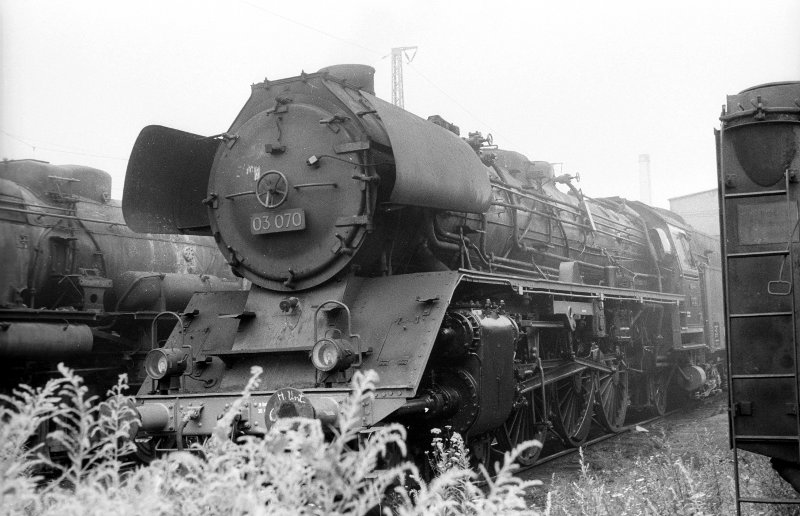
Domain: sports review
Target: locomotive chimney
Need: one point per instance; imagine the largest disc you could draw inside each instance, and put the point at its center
(644, 178)
(359, 76)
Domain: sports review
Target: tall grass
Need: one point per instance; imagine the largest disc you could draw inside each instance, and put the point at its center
(295, 469)
(658, 484)
(298, 469)
(683, 474)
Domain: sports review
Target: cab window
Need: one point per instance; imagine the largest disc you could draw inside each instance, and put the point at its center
(682, 249)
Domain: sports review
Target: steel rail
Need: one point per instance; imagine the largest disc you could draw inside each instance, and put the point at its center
(569, 451)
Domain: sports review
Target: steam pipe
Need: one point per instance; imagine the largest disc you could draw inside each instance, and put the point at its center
(66, 217)
(133, 285)
(564, 205)
(571, 223)
(440, 233)
(433, 240)
(44, 341)
(527, 267)
(446, 235)
(516, 239)
(436, 402)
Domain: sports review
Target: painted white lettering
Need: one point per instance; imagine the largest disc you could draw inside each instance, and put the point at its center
(255, 170)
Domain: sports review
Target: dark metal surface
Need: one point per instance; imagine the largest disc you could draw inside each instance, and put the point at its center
(433, 261)
(66, 181)
(435, 168)
(36, 341)
(50, 247)
(249, 181)
(137, 290)
(77, 285)
(522, 284)
(357, 76)
(758, 160)
(761, 131)
(166, 181)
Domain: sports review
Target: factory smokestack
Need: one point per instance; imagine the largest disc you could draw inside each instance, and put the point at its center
(644, 178)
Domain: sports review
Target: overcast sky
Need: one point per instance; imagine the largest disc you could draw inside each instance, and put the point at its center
(589, 84)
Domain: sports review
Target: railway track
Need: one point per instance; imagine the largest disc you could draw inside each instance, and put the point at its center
(595, 440)
(696, 410)
(553, 450)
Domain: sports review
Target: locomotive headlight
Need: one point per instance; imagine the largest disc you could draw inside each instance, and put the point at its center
(163, 362)
(328, 355)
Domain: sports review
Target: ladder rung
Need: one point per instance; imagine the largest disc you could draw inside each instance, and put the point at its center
(759, 314)
(758, 253)
(786, 501)
(784, 438)
(754, 194)
(757, 376)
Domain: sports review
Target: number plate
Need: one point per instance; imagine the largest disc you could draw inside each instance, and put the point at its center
(277, 221)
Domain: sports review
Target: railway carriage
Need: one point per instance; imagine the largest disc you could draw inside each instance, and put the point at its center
(758, 165)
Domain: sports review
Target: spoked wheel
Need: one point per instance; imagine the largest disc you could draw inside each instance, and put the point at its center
(572, 401)
(611, 398)
(525, 423)
(659, 385)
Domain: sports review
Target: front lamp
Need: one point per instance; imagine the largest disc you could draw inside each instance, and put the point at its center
(328, 355)
(163, 362)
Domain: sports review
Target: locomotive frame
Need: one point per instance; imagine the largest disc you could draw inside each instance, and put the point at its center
(485, 297)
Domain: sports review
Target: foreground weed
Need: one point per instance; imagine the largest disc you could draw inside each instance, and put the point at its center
(295, 469)
(458, 489)
(21, 417)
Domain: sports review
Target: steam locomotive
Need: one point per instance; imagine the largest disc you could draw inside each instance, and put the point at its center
(758, 164)
(77, 286)
(489, 293)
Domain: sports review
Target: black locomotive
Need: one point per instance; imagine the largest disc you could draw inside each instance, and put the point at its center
(77, 286)
(488, 293)
(759, 166)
